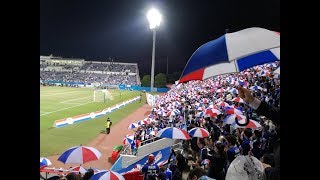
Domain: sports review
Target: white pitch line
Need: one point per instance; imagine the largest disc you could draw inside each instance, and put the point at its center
(74, 99)
(65, 108)
(61, 93)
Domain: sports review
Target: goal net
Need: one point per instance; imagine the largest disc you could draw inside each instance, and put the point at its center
(101, 95)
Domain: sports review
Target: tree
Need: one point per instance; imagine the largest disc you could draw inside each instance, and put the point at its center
(160, 80)
(146, 81)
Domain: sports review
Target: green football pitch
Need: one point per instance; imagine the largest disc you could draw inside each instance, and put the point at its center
(63, 102)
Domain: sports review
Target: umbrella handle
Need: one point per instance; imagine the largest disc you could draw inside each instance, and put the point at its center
(246, 122)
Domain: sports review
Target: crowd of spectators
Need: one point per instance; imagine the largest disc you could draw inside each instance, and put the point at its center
(187, 105)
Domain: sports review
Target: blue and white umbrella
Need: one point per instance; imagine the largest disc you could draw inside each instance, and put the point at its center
(80, 155)
(256, 88)
(44, 162)
(107, 175)
(133, 126)
(233, 52)
(173, 133)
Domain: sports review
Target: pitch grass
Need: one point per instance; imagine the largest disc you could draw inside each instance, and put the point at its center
(54, 141)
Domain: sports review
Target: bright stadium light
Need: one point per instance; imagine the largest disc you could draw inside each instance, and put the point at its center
(154, 18)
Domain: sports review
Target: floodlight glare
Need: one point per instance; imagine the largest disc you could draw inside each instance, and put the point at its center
(154, 18)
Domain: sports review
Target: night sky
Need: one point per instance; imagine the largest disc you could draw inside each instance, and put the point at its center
(98, 29)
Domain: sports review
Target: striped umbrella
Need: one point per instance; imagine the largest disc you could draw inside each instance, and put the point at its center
(198, 132)
(221, 90)
(78, 169)
(232, 110)
(173, 133)
(222, 103)
(44, 162)
(232, 118)
(128, 139)
(252, 124)
(107, 175)
(80, 155)
(133, 126)
(237, 99)
(256, 88)
(205, 161)
(213, 106)
(212, 112)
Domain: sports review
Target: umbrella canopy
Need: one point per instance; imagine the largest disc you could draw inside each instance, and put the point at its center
(233, 52)
(133, 126)
(173, 133)
(237, 99)
(212, 112)
(128, 139)
(205, 161)
(221, 90)
(173, 112)
(256, 88)
(233, 91)
(78, 169)
(252, 124)
(44, 162)
(141, 122)
(198, 132)
(222, 103)
(80, 155)
(232, 118)
(107, 175)
(232, 110)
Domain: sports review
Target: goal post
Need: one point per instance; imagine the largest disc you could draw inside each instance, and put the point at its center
(101, 95)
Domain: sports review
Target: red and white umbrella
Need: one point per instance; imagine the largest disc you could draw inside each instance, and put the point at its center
(205, 100)
(80, 155)
(213, 107)
(222, 103)
(221, 90)
(232, 110)
(78, 169)
(107, 175)
(252, 124)
(133, 126)
(212, 112)
(237, 99)
(232, 118)
(198, 132)
(128, 139)
(173, 133)
(174, 112)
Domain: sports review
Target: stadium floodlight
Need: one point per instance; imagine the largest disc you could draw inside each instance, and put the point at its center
(154, 18)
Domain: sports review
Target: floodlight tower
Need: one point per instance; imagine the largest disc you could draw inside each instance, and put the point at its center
(154, 18)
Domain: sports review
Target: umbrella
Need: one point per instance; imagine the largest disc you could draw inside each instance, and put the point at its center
(232, 110)
(271, 65)
(44, 162)
(205, 100)
(80, 155)
(222, 103)
(256, 87)
(173, 112)
(233, 91)
(212, 112)
(198, 132)
(78, 169)
(213, 106)
(252, 124)
(173, 133)
(221, 90)
(232, 52)
(128, 139)
(133, 126)
(232, 118)
(141, 122)
(237, 99)
(107, 175)
(200, 114)
(205, 161)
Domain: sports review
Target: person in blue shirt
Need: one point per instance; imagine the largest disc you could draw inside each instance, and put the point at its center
(233, 150)
(150, 169)
(245, 145)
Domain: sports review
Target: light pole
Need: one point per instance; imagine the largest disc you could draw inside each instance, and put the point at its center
(154, 18)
